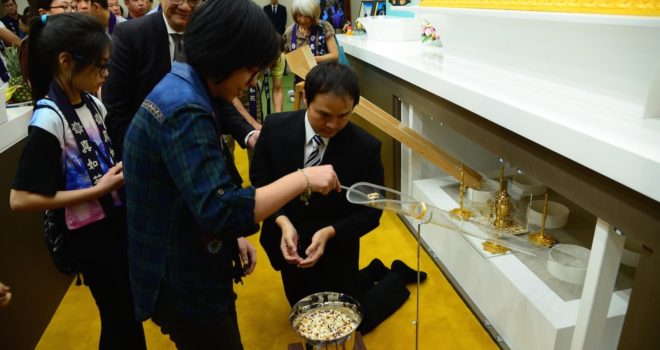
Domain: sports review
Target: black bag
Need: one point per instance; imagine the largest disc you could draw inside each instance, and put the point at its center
(60, 252)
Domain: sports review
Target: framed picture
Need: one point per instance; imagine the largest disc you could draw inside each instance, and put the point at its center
(366, 9)
(380, 9)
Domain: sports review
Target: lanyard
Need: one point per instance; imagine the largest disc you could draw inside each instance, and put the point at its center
(89, 150)
(111, 23)
(317, 45)
(252, 98)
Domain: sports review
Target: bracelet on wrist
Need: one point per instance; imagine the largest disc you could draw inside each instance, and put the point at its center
(307, 195)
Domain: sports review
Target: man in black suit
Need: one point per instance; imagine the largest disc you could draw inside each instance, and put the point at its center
(142, 53)
(315, 242)
(277, 15)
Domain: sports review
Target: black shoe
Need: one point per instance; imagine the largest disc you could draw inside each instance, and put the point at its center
(372, 273)
(408, 274)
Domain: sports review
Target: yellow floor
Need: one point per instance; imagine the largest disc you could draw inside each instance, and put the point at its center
(445, 322)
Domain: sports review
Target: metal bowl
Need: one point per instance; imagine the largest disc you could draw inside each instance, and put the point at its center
(338, 302)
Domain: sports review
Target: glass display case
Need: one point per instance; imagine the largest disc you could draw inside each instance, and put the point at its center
(575, 294)
(531, 299)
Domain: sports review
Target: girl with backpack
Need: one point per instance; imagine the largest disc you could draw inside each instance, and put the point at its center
(68, 168)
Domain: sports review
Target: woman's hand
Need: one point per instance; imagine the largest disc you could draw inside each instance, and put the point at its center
(323, 179)
(248, 255)
(112, 180)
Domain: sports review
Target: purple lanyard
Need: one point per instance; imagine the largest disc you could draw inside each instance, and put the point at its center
(318, 48)
(252, 98)
(111, 23)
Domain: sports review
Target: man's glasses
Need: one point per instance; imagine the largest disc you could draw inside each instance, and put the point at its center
(103, 68)
(66, 8)
(191, 3)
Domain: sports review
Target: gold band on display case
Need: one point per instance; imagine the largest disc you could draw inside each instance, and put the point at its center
(612, 7)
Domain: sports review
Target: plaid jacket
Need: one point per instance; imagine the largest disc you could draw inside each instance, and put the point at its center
(184, 209)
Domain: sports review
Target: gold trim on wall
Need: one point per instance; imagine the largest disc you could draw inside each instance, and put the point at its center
(613, 7)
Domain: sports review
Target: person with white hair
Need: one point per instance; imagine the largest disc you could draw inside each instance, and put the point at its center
(309, 29)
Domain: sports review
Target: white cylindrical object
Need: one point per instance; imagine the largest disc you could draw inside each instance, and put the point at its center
(524, 185)
(556, 218)
(568, 262)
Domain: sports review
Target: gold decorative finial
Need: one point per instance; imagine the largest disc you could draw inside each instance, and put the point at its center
(461, 212)
(540, 238)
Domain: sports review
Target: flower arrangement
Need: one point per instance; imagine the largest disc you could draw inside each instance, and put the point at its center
(428, 32)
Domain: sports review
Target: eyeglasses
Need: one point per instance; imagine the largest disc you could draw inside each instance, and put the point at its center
(103, 68)
(191, 3)
(66, 8)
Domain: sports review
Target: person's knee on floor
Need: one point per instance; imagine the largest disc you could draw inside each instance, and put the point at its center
(382, 300)
(372, 274)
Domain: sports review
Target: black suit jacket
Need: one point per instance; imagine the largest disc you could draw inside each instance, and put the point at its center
(278, 18)
(355, 156)
(140, 59)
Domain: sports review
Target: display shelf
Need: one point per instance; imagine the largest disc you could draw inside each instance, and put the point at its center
(570, 100)
(599, 138)
(522, 307)
(15, 129)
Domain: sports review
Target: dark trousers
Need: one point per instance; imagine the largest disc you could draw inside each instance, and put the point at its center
(191, 334)
(100, 250)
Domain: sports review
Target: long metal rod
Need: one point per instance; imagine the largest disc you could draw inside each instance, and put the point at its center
(419, 250)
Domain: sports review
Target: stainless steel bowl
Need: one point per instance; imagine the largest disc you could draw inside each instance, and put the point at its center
(327, 300)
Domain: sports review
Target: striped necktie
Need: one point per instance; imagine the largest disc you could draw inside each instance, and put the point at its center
(314, 158)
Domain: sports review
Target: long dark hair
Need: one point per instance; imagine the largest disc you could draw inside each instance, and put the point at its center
(81, 35)
(225, 35)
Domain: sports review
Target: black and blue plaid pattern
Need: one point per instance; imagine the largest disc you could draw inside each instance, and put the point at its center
(180, 195)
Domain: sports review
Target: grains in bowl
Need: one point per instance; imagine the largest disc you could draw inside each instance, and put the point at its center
(325, 324)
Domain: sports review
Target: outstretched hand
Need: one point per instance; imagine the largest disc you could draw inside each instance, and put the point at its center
(317, 247)
(289, 244)
(323, 179)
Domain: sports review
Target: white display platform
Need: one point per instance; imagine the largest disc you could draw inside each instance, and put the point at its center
(521, 307)
(16, 127)
(604, 140)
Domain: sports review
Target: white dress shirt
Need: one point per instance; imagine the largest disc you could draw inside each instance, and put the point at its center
(169, 36)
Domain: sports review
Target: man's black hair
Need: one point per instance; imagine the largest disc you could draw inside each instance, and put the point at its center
(225, 35)
(332, 77)
(40, 4)
(102, 3)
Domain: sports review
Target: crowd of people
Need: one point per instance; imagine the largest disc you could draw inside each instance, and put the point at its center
(126, 146)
